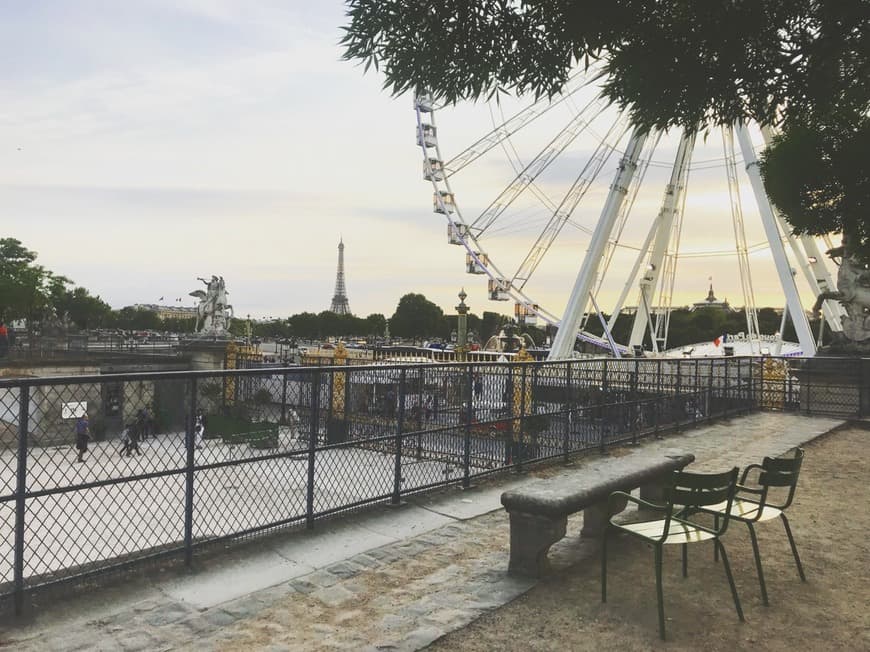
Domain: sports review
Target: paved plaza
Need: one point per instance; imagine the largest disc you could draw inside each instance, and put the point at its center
(386, 578)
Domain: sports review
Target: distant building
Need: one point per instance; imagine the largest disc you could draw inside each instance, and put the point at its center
(712, 302)
(167, 312)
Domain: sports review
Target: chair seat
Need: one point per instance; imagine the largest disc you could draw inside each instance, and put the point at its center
(677, 532)
(746, 510)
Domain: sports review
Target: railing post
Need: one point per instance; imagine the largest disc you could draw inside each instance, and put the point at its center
(313, 433)
(659, 395)
(20, 496)
(524, 438)
(809, 385)
(466, 440)
(569, 400)
(709, 406)
(862, 387)
(509, 403)
(397, 465)
(190, 442)
(284, 400)
(678, 394)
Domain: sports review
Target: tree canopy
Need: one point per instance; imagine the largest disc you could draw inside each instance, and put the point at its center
(416, 316)
(668, 62)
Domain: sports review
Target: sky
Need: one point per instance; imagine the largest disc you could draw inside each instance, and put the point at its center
(146, 143)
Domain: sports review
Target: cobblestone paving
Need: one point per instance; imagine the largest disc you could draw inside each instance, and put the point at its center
(401, 596)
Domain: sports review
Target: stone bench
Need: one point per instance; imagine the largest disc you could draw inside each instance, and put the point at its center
(539, 512)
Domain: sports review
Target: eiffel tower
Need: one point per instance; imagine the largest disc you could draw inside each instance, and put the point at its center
(340, 305)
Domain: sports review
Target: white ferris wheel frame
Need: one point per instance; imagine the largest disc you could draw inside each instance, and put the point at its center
(805, 248)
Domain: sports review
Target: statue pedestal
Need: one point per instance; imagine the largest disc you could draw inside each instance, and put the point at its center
(206, 354)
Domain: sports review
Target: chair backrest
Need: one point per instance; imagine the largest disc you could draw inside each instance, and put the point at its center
(688, 490)
(781, 472)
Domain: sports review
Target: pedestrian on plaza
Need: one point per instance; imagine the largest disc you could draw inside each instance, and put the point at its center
(83, 435)
(198, 429)
(149, 422)
(141, 424)
(130, 437)
(4, 339)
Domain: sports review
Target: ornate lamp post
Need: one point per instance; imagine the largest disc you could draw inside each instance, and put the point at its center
(462, 328)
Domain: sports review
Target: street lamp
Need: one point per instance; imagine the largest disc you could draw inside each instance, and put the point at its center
(462, 327)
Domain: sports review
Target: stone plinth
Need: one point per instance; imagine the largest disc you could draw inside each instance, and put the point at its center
(205, 354)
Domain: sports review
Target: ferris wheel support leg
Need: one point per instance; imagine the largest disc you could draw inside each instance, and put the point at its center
(664, 230)
(783, 269)
(812, 263)
(563, 343)
(632, 276)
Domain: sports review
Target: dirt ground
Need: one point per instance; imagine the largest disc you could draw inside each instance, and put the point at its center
(830, 519)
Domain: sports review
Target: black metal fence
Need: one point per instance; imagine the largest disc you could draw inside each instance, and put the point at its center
(284, 446)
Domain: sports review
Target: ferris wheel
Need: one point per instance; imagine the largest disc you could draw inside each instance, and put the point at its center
(565, 188)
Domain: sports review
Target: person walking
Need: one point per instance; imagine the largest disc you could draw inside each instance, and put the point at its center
(142, 424)
(83, 435)
(130, 436)
(4, 339)
(198, 429)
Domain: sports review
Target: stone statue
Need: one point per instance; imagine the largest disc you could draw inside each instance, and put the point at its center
(213, 313)
(853, 292)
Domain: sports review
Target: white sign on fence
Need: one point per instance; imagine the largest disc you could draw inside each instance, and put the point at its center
(73, 410)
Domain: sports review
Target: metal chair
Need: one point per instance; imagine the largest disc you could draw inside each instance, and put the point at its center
(685, 493)
(752, 505)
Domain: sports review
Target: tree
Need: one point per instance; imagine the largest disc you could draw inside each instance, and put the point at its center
(82, 309)
(305, 325)
(24, 286)
(667, 63)
(130, 318)
(416, 316)
(817, 175)
(489, 326)
(179, 324)
(375, 324)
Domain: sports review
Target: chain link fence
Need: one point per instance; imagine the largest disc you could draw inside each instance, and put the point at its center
(100, 472)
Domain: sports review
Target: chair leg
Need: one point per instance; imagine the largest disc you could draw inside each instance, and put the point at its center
(659, 596)
(604, 563)
(730, 580)
(685, 560)
(794, 551)
(716, 547)
(758, 564)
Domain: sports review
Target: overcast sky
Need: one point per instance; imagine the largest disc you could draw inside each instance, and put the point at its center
(148, 142)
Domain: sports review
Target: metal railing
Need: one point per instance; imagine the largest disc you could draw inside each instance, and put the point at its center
(285, 446)
(77, 346)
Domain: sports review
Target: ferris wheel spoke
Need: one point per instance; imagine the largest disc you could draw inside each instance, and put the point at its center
(740, 233)
(566, 207)
(513, 124)
(537, 165)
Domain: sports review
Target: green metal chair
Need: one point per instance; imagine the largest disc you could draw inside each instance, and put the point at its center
(753, 505)
(685, 493)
